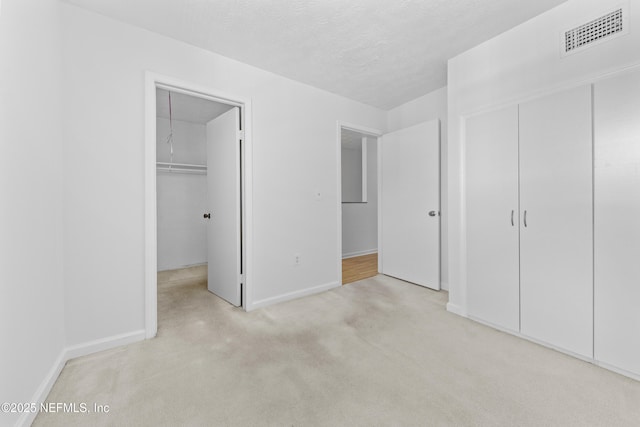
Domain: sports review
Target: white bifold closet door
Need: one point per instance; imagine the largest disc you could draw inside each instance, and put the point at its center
(223, 191)
(617, 222)
(492, 218)
(410, 201)
(556, 234)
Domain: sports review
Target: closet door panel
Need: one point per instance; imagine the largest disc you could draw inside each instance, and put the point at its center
(556, 234)
(617, 222)
(492, 217)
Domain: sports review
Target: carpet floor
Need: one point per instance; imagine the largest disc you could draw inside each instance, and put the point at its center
(375, 353)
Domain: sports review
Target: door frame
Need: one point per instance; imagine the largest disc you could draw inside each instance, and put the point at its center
(153, 81)
(371, 132)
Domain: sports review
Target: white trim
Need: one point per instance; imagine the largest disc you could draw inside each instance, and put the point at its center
(200, 264)
(293, 295)
(616, 370)
(360, 253)
(540, 93)
(186, 88)
(553, 347)
(439, 204)
(380, 219)
(494, 326)
(339, 200)
(102, 344)
(150, 211)
(370, 132)
(365, 163)
(68, 353)
(587, 359)
(533, 340)
(463, 217)
(360, 129)
(27, 418)
(247, 204)
(456, 309)
(153, 81)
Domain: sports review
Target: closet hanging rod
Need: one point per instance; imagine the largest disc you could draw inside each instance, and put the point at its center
(181, 170)
(178, 170)
(183, 165)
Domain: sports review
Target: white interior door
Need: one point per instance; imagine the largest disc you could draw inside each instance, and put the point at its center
(493, 271)
(223, 191)
(410, 204)
(556, 234)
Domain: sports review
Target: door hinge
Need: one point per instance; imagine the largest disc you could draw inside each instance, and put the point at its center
(241, 135)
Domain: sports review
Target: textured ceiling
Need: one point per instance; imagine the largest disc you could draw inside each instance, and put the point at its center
(188, 108)
(380, 52)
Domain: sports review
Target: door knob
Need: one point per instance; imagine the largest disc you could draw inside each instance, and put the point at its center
(207, 215)
(434, 213)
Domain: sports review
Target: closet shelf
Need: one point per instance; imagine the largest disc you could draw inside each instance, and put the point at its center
(181, 168)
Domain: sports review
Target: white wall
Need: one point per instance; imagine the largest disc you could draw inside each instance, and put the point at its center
(104, 68)
(351, 167)
(360, 220)
(182, 198)
(429, 107)
(521, 63)
(189, 141)
(31, 242)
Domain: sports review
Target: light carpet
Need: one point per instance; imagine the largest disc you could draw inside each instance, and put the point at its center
(373, 353)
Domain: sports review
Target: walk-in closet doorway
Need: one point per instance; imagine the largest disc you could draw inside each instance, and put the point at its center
(196, 224)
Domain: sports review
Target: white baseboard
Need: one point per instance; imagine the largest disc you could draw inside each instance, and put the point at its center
(104, 344)
(292, 295)
(69, 353)
(617, 370)
(180, 267)
(578, 356)
(359, 253)
(456, 309)
(26, 419)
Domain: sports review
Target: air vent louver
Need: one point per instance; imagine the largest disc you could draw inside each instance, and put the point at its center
(605, 26)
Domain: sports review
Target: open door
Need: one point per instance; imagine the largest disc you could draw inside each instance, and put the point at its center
(410, 204)
(223, 193)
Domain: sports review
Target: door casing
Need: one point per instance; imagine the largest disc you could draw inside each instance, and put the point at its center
(153, 81)
(375, 133)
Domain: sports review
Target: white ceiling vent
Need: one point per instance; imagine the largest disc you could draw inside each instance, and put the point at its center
(604, 28)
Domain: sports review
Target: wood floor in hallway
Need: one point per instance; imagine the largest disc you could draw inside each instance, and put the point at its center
(358, 268)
